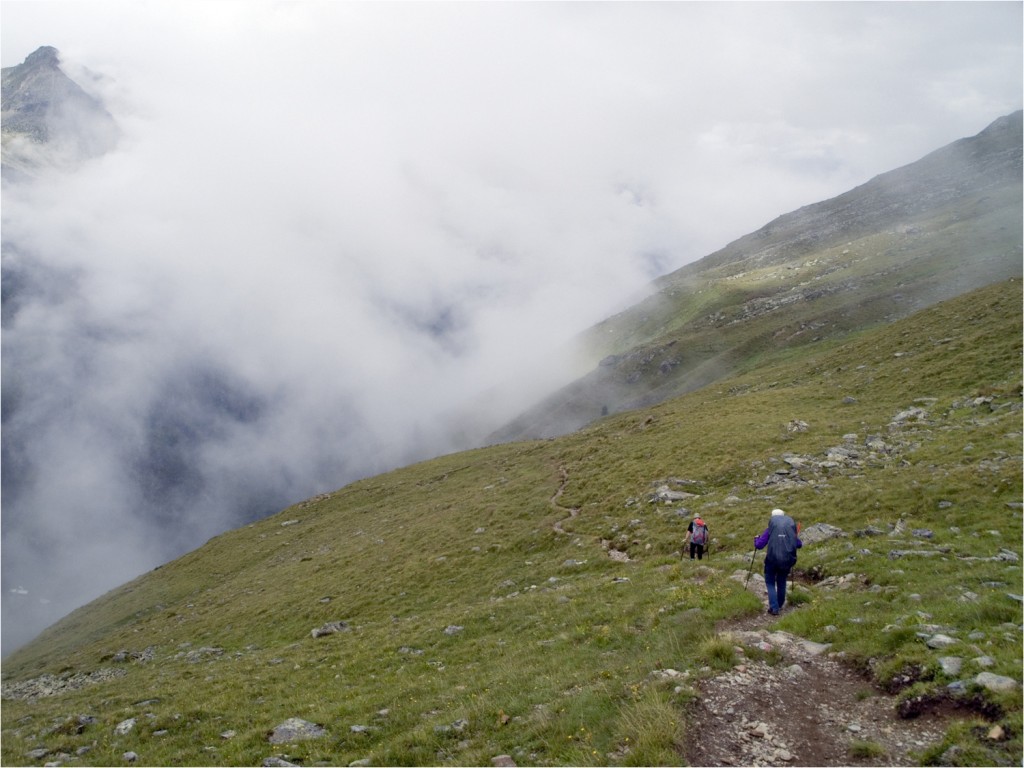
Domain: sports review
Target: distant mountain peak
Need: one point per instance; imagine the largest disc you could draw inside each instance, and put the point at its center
(42, 56)
(48, 120)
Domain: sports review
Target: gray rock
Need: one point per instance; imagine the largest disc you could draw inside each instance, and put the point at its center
(923, 533)
(995, 682)
(452, 629)
(196, 656)
(951, 665)
(503, 761)
(941, 641)
(130, 757)
(276, 762)
(915, 414)
(896, 554)
(295, 729)
(125, 726)
(330, 628)
(985, 661)
(670, 497)
(813, 648)
(819, 532)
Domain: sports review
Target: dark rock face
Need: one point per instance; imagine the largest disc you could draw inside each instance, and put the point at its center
(48, 119)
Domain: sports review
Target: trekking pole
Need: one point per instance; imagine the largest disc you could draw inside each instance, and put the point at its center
(791, 570)
(750, 570)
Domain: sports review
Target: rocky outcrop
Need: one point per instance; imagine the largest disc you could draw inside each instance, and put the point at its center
(49, 120)
(54, 685)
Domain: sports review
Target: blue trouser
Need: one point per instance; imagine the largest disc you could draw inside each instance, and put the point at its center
(775, 582)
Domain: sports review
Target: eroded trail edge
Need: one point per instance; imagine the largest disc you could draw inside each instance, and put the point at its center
(791, 702)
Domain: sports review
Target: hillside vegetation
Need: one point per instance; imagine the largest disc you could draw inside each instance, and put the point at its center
(520, 599)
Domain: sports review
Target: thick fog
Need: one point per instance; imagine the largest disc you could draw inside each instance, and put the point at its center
(335, 238)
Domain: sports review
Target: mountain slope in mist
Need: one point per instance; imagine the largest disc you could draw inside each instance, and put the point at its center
(193, 340)
(944, 225)
(528, 599)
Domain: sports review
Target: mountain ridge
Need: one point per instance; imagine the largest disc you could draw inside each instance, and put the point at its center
(880, 251)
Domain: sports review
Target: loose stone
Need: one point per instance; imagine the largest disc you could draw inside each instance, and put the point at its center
(995, 682)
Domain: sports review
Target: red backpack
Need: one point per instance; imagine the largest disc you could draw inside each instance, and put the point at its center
(700, 532)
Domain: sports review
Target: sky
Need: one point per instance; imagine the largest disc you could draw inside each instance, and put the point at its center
(338, 237)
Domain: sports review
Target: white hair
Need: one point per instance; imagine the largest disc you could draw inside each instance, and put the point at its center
(777, 512)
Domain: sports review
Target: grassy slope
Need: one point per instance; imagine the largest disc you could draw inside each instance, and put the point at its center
(553, 660)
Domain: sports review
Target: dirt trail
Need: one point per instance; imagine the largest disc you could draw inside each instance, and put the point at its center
(808, 709)
(573, 511)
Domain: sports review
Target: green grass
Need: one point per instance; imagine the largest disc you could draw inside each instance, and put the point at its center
(563, 652)
(866, 750)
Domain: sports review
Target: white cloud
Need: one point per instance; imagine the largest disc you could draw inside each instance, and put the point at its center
(337, 223)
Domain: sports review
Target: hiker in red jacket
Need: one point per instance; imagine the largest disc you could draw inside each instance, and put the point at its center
(697, 535)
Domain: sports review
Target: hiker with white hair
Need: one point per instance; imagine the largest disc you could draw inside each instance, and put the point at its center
(781, 537)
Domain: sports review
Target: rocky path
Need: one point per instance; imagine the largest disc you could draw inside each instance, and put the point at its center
(807, 709)
(570, 511)
(791, 701)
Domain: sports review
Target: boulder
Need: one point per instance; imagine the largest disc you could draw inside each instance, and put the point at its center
(819, 532)
(295, 729)
(330, 628)
(998, 683)
(951, 665)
